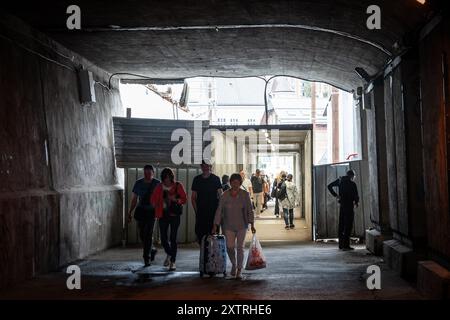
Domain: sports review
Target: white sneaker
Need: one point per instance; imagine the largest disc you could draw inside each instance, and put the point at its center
(172, 267)
(167, 261)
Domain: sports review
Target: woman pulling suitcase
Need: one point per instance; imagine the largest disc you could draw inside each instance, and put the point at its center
(234, 214)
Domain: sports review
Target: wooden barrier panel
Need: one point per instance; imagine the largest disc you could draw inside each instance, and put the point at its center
(326, 207)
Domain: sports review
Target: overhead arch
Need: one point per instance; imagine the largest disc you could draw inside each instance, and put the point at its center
(320, 40)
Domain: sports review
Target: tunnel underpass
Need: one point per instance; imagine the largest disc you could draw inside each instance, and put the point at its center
(69, 155)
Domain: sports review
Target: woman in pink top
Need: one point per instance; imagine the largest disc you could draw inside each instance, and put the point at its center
(234, 214)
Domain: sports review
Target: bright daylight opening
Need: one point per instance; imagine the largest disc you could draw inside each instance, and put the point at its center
(245, 103)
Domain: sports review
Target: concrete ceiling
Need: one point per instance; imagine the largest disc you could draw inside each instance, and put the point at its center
(322, 40)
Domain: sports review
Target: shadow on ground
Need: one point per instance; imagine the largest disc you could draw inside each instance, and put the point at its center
(294, 271)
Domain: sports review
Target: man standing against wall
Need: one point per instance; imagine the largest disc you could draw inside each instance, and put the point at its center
(348, 199)
(145, 212)
(206, 191)
(258, 191)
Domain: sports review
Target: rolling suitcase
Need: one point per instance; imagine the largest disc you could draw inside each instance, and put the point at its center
(213, 255)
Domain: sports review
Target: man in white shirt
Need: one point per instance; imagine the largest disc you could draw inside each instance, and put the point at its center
(246, 183)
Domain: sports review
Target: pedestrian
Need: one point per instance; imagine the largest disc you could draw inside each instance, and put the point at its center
(277, 183)
(225, 182)
(258, 191)
(266, 191)
(168, 200)
(206, 191)
(246, 183)
(289, 201)
(234, 214)
(144, 212)
(348, 199)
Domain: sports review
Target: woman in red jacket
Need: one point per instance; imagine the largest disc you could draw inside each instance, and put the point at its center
(168, 199)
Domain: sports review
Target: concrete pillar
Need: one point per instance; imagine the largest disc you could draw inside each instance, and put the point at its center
(416, 218)
(435, 106)
(335, 124)
(313, 103)
(403, 164)
(369, 174)
(375, 155)
(382, 218)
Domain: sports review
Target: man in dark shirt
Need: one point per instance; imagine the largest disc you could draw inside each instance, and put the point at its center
(144, 213)
(206, 191)
(348, 199)
(258, 191)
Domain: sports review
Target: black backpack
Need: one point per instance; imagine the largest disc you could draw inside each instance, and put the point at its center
(281, 192)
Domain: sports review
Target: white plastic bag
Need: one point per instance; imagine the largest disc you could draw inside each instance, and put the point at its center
(256, 259)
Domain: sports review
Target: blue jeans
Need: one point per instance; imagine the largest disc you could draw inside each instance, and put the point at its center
(288, 216)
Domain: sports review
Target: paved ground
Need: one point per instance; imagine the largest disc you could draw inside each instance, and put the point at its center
(295, 271)
(271, 228)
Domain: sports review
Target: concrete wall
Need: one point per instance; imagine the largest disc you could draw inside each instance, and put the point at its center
(434, 54)
(368, 165)
(308, 180)
(396, 186)
(412, 160)
(59, 197)
(381, 218)
(412, 128)
(410, 86)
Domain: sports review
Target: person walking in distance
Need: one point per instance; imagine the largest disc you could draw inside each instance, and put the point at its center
(277, 183)
(348, 199)
(289, 201)
(266, 190)
(144, 212)
(258, 191)
(225, 182)
(206, 191)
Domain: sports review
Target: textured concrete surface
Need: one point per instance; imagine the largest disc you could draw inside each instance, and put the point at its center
(400, 258)
(58, 180)
(374, 242)
(433, 280)
(329, 56)
(295, 271)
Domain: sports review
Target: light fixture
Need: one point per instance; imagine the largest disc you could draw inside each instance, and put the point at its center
(421, 1)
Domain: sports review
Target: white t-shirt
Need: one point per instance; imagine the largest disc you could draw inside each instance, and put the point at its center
(246, 185)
